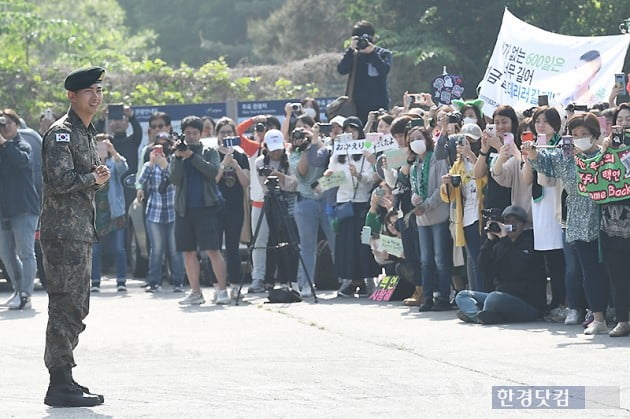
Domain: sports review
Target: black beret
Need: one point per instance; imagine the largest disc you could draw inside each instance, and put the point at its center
(83, 78)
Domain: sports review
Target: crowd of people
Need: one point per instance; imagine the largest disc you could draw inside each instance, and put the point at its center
(486, 208)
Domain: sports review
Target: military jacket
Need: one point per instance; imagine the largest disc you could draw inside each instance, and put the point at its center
(69, 155)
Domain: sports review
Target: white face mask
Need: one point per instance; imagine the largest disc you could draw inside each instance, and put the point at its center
(469, 120)
(418, 146)
(310, 112)
(583, 143)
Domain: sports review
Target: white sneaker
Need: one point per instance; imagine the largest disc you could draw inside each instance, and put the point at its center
(193, 298)
(95, 288)
(234, 292)
(10, 300)
(21, 303)
(573, 316)
(15, 303)
(306, 292)
(222, 297)
(596, 328)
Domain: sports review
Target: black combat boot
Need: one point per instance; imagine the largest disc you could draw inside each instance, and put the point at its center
(86, 390)
(62, 392)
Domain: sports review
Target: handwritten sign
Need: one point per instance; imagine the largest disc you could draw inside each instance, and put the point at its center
(391, 245)
(395, 158)
(446, 88)
(385, 288)
(332, 181)
(380, 142)
(606, 177)
(348, 147)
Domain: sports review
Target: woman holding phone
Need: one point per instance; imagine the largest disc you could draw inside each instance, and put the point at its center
(583, 214)
(233, 181)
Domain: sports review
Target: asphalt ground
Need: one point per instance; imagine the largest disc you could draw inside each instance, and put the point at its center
(346, 358)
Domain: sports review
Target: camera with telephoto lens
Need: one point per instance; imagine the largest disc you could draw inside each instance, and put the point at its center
(364, 41)
(456, 180)
(180, 141)
(260, 127)
(299, 136)
(3, 120)
(272, 182)
(265, 171)
(491, 218)
(454, 117)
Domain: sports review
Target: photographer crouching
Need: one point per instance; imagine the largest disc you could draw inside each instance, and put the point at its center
(518, 272)
(198, 206)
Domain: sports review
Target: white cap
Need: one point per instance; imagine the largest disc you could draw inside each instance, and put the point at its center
(339, 120)
(471, 130)
(274, 140)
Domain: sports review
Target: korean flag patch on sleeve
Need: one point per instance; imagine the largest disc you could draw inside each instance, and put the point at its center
(62, 137)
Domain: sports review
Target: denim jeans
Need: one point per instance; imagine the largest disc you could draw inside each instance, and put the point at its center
(120, 254)
(596, 285)
(411, 248)
(511, 308)
(162, 239)
(17, 251)
(310, 215)
(473, 247)
(435, 256)
(231, 223)
(573, 277)
(259, 252)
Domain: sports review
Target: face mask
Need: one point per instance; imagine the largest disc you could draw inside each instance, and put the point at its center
(583, 143)
(469, 120)
(310, 112)
(418, 146)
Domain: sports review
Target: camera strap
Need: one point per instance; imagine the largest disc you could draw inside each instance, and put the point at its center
(356, 187)
(350, 83)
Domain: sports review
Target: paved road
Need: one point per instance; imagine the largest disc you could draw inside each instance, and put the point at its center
(152, 358)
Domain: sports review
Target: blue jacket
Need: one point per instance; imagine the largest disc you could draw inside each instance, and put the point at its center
(116, 193)
(17, 189)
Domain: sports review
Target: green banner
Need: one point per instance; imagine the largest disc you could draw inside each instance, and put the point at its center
(606, 177)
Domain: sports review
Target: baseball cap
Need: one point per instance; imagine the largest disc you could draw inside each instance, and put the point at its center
(471, 130)
(274, 140)
(516, 211)
(339, 120)
(352, 121)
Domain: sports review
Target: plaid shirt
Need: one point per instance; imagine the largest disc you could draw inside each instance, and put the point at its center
(160, 206)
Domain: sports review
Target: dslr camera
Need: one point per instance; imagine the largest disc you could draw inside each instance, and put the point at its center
(180, 141)
(491, 218)
(454, 117)
(265, 171)
(364, 41)
(300, 137)
(456, 180)
(3, 120)
(260, 127)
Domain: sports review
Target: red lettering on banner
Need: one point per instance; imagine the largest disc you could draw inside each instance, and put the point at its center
(622, 192)
(588, 178)
(596, 196)
(580, 163)
(611, 175)
(608, 158)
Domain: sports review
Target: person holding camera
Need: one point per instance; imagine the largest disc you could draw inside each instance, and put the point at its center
(111, 217)
(465, 195)
(19, 210)
(425, 176)
(295, 118)
(160, 216)
(583, 214)
(233, 181)
(272, 163)
(308, 161)
(159, 127)
(371, 65)
(518, 274)
(127, 146)
(198, 207)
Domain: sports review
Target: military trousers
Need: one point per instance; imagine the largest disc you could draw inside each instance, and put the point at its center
(68, 265)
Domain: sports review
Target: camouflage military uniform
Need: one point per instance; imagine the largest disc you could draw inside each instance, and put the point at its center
(67, 232)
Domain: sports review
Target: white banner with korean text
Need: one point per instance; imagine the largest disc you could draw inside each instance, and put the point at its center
(528, 62)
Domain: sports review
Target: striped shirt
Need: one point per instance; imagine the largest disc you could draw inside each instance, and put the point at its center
(160, 206)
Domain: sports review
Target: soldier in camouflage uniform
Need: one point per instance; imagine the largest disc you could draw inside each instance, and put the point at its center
(72, 172)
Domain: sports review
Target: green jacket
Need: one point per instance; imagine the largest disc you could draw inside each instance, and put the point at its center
(205, 160)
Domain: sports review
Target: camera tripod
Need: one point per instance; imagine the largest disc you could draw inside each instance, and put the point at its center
(281, 231)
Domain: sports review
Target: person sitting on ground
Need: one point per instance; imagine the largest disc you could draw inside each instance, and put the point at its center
(518, 272)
